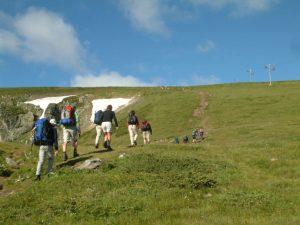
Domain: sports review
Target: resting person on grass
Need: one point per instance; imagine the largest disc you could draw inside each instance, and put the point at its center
(108, 116)
(133, 125)
(45, 136)
(71, 129)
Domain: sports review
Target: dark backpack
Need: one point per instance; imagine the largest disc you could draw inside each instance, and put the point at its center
(68, 115)
(132, 119)
(145, 126)
(44, 134)
(98, 117)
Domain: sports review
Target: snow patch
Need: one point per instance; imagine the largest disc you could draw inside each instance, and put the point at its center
(101, 104)
(44, 102)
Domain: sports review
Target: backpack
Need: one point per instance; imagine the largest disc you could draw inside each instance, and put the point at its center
(132, 119)
(98, 117)
(44, 134)
(67, 115)
(145, 126)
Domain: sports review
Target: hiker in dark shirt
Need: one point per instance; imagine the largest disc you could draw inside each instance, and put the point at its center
(133, 125)
(108, 117)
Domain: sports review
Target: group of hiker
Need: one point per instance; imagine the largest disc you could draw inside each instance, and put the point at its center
(45, 136)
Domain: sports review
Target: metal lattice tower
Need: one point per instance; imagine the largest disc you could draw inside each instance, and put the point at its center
(270, 68)
(251, 74)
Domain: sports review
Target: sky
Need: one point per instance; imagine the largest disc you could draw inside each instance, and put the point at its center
(147, 42)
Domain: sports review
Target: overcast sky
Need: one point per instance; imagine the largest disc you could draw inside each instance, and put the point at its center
(146, 42)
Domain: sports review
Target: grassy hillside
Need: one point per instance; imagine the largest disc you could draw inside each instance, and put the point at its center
(245, 172)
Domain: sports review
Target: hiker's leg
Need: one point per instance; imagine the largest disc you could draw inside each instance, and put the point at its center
(41, 159)
(131, 134)
(99, 133)
(148, 137)
(50, 154)
(66, 136)
(144, 137)
(135, 133)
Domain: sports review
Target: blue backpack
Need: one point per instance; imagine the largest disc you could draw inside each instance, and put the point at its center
(98, 117)
(44, 134)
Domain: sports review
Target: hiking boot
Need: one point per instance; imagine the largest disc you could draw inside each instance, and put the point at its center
(37, 178)
(135, 143)
(75, 154)
(105, 144)
(65, 156)
(96, 146)
(109, 148)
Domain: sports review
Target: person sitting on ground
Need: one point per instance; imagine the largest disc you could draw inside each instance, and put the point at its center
(108, 116)
(133, 125)
(98, 121)
(45, 136)
(71, 129)
(198, 135)
(185, 139)
(147, 131)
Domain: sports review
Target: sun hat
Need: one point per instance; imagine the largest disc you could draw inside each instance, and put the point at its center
(53, 122)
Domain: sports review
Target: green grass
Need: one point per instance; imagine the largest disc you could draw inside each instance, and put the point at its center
(245, 172)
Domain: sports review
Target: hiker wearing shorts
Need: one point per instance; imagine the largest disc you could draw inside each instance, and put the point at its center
(133, 125)
(46, 149)
(71, 130)
(98, 118)
(147, 131)
(108, 117)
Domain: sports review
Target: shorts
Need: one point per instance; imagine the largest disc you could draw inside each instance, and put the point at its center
(106, 127)
(69, 135)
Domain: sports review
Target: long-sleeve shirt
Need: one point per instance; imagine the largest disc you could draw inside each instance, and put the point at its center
(108, 116)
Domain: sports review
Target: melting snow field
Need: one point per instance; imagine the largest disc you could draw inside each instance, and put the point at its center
(44, 102)
(101, 104)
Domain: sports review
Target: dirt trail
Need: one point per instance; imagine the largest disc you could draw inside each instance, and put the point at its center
(199, 112)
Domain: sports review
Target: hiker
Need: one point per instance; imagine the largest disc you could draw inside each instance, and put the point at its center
(108, 116)
(98, 121)
(71, 129)
(133, 125)
(45, 136)
(147, 131)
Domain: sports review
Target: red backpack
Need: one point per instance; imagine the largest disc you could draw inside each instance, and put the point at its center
(68, 115)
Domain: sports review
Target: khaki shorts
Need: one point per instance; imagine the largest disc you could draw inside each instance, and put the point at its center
(106, 127)
(69, 135)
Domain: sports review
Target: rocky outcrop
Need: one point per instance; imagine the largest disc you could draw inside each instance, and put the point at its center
(17, 118)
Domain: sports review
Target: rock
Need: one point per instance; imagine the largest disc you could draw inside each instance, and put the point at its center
(273, 159)
(11, 163)
(122, 156)
(89, 164)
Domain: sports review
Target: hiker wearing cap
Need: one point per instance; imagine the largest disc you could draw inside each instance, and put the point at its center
(71, 128)
(133, 125)
(108, 117)
(146, 131)
(98, 118)
(45, 136)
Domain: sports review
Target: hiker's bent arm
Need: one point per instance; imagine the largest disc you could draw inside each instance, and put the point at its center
(116, 121)
(55, 140)
(77, 122)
